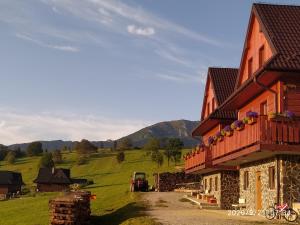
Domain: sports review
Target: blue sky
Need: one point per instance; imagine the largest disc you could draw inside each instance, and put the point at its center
(99, 69)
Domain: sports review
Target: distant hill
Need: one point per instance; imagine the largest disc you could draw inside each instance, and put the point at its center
(177, 128)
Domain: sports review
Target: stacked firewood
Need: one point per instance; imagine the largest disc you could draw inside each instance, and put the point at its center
(71, 209)
(168, 181)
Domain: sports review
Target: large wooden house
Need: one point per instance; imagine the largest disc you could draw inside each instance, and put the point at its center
(250, 121)
(10, 182)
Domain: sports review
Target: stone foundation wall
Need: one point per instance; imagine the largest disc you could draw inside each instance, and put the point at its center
(268, 195)
(229, 188)
(290, 179)
(213, 189)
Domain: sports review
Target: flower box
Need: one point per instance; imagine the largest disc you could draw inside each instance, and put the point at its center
(227, 131)
(272, 116)
(252, 120)
(238, 125)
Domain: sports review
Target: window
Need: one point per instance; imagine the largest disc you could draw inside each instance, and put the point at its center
(205, 184)
(216, 183)
(261, 56)
(272, 177)
(264, 108)
(246, 180)
(213, 104)
(208, 108)
(250, 64)
(210, 184)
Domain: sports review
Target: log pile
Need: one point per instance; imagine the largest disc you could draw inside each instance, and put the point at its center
(71, 209)
(167, 181)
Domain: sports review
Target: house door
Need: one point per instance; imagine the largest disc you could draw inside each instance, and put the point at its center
(258, 191)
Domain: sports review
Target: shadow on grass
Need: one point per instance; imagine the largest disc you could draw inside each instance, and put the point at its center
(106, 185)
(101, 155)
(131, 210)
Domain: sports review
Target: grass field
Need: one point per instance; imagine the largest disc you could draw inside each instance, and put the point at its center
(114, 203)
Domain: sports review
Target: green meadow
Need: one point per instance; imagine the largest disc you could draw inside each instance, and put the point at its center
(115, 204)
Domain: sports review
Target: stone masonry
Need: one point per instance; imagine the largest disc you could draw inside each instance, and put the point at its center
(226, 189)
(290, 179)
(268, 195)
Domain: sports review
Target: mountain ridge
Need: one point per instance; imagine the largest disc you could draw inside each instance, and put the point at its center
(167, 129)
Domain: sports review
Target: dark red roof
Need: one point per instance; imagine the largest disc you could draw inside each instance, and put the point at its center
(281, 24)
(223, 81)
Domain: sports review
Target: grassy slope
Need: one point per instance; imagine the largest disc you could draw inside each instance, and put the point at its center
(114, 203)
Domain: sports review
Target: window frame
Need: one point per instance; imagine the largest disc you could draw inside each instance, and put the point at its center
(271, 171)
(246, 180)
(250, 67)
(261, 55)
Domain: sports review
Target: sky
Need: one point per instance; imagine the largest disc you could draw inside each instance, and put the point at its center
(101, 69)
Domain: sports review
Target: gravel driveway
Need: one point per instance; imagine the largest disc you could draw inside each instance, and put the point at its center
(169, 208)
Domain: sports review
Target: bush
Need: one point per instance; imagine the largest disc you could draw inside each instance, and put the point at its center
(81, 160)
(120, 157)
(46, 161)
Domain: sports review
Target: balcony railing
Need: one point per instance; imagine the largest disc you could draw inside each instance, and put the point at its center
(196, 159)
(264, 131)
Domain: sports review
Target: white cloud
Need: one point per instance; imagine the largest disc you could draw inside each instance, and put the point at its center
(67, 48)
(147, 31)
(119, 13)
(180, 77)
(169, 55)
(19, 127)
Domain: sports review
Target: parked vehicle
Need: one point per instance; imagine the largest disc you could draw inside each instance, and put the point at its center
(289, 214)
(139, 182)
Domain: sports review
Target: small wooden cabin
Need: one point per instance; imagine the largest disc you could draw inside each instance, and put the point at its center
(53, 179)
(10, 182)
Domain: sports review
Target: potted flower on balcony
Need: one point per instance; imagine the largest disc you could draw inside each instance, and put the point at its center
(289, 114)
(272, 115)
(228, 131)
(219, 136)
(238, 125)
(246, 120)
(252, 117)
(211, 141)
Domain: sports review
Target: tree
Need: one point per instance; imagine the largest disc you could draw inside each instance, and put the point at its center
(174, 147)
(120, 157)
(158, 158)
(168, 154)
(115, 143)
(125, 144)
(101, 144)
(57, 156)
(46, 161)
(35, 148)
(151, 146)
(3, 152)
(152, 149)
(85, 147)
(10, 157)
(19, 153)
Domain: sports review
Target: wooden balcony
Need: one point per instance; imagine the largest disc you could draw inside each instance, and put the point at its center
(198, 161)
(264, 138)
(201, 162)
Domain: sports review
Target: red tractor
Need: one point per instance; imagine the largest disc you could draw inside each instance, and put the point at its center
(139, 182)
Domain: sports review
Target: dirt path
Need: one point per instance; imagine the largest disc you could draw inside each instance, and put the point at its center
(170, 209)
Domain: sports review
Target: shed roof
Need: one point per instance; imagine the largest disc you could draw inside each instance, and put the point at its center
(10, 178)
(53, 176)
